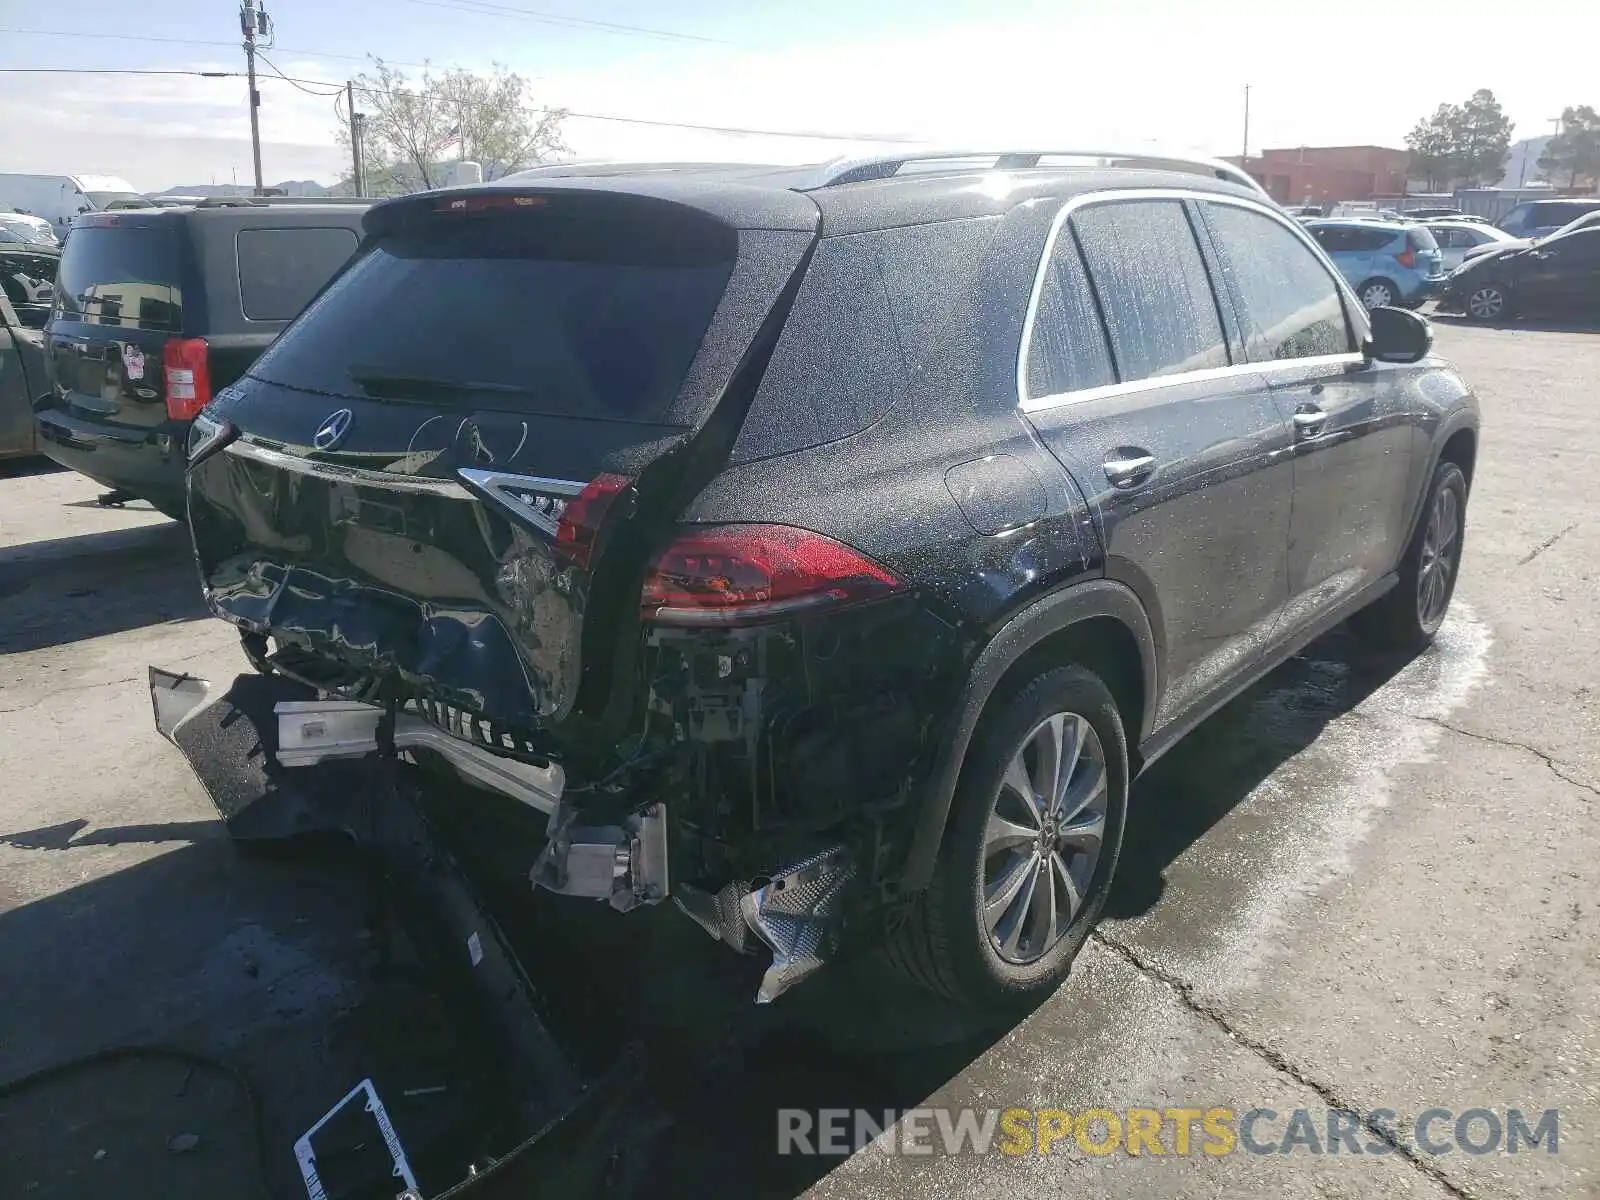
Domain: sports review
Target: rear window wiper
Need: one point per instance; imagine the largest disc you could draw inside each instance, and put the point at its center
(402, 386)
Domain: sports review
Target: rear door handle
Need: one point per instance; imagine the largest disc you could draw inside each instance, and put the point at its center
(1309, 421)
(1128, 467)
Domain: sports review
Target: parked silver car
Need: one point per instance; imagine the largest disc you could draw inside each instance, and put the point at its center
(1457, 238)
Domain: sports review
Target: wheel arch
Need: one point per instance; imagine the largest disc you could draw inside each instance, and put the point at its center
(1456, 442)
(1100, 625)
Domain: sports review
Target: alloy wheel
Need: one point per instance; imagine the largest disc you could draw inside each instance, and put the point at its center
(1486, 303)
(1377, 295)
(1044, 837)
(1441, 547)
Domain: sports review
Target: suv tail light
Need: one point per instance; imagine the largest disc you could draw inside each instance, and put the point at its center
(729, 574)
(187, 368)
(1407, 258)
(579, 524)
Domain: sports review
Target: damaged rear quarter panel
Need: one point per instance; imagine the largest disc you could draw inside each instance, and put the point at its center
(781, 732)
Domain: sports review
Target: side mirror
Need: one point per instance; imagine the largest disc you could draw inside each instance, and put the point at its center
(1398, 336)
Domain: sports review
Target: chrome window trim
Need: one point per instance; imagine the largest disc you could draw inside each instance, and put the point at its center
(1055, 400)
(335, 473)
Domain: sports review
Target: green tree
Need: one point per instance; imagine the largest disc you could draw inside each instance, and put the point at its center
(413, 129)
(1461, 143)
(1483, 139)
(1574, 153)
(1432, 144)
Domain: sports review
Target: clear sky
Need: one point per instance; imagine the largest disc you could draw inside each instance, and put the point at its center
(1066, 74)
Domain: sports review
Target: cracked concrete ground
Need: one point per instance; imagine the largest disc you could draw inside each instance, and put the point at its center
(1361, 885)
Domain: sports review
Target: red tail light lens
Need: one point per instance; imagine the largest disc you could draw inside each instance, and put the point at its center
(725, 574)
(188, 375)
(1407, 258)
(579, 525)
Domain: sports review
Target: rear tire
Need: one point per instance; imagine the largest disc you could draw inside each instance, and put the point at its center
(1378, 293)
(1406, 619)
(985, 933)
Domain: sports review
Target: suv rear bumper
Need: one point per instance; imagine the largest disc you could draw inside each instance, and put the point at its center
(146, 462)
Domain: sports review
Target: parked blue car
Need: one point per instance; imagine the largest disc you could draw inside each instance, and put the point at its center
(1388, 263)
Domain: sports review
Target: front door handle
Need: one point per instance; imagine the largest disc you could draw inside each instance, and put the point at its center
(1309, 421)
(1128, 467)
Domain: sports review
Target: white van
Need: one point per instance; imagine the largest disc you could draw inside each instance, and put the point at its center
(59, 198)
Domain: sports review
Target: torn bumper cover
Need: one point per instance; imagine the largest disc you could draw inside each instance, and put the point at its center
(269, 727)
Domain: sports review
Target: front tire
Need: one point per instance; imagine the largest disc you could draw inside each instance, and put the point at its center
(1487, 301)
(1027, 859)
(1407, 618)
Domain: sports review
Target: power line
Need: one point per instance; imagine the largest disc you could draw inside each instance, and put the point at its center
(488, 9)
(116, 71)
(619, 118)
(176, 41)
(338, 89)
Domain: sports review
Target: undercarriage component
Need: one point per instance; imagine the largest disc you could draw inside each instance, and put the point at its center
(624, 864)
(719, 913)
(796, 914)
(313, 731)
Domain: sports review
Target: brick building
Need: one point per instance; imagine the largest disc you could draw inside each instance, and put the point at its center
(1327, 174)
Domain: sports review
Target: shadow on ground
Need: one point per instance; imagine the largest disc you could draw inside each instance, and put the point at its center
(264, 962)
(89, 585)
(1532, 324)
(24, 468)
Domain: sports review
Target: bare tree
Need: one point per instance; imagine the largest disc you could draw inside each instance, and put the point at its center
(415, 128)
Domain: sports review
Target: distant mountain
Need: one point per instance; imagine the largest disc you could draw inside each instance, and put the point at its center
(290, 187)
(1522, 164)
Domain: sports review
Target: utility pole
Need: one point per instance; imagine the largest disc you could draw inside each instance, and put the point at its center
(1246, 153)
(251, 22)
(358, 183)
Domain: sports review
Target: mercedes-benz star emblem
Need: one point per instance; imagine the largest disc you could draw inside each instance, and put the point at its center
(331, 433)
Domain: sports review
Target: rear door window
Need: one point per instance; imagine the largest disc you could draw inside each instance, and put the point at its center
(1367, 240)
(1067, 347)
(122, 275)
(280, 270)
(567, 317)
(1288, 304)
(1153, 288)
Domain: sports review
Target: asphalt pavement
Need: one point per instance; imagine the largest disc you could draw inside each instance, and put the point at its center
(1361, 886)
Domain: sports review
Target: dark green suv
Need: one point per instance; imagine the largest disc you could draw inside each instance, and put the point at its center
(157, 309)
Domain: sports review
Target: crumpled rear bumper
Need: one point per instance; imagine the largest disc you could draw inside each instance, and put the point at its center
(279, 763)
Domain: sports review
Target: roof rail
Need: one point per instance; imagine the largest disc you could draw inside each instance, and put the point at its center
(859, 168)
(261, 201)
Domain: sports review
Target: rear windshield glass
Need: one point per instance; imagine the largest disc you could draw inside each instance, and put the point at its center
(281, 269)
(1422, 239)
(564, 317)
(122, 275)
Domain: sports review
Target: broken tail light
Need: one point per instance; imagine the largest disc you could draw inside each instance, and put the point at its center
(187, 368)
(730, 574)
(579, 525)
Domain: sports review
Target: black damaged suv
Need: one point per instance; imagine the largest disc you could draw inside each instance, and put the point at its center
(826, 549)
